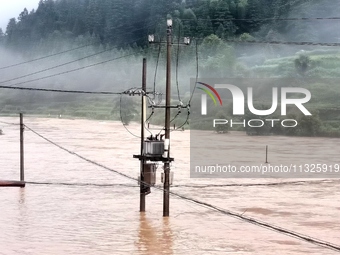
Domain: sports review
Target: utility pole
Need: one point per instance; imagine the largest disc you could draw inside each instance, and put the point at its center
(166, 191)
(22, 128)
(142, 161)
(165, 157)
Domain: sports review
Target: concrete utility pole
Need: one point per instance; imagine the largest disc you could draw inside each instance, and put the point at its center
(142, 161)
(166, 192)
(165, 157)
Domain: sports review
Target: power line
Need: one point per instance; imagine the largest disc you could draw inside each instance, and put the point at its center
(196, 79)
(84, 67)
(186, 186)
(163, 128)
(8, 123)
(288, 43)
(250, 220)
(192, 5)
(266, 19)
(63, 91)
(82, 184)
(79, 156)
(154, 88)
(178, 113)
(282, 42)
(188, 104)
(54, 67)
(177, 60)
(193, 91)
(181, 186)
(152, 113)
(121, 118)
(232, 19)
(57, 66)
(263, 224)
(156, 69)
(48, 56)
(185, 122)
(69, 71)
(126, 92)
(66, 51)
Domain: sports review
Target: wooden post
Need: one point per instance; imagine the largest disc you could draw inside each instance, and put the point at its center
(266, 154)
(22, 128)
(142, 161)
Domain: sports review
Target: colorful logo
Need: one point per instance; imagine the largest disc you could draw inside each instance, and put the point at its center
(208, 91)
(239, 99)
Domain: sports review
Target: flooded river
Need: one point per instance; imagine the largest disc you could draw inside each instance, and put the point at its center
(99, 213)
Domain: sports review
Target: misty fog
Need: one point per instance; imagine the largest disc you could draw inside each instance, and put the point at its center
(216, 59)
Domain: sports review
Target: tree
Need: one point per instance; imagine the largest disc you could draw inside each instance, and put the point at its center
(189, 23)
(2, 36)
(45, 18)
(11, 31)
(117, 22)
(23, 15)
(302, 64)
(254, 15)
(204, 27)
(220, 32)
(220, 57)
(224, 26)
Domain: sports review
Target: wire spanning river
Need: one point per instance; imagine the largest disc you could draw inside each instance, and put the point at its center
(100, 215)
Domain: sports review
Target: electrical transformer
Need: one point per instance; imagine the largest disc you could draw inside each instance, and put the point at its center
(150, 174)
(153, 148)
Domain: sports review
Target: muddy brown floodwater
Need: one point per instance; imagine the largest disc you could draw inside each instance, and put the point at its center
(95, 219)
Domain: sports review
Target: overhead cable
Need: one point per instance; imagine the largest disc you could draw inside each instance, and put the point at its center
(239, 216)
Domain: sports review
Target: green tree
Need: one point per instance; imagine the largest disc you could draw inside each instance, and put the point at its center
(219, 56)
(254, 15)
(302, 64)
(2, 36)
(116, 22)
(11, 32)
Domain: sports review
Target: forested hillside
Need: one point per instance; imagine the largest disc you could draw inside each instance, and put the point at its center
(122, 22)
(99, 45)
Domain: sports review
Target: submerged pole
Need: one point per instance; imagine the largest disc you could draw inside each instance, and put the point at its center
(22, 128)
(166, 191)
(142, 162)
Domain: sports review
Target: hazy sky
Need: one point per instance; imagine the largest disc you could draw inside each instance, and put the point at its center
(12, 9)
